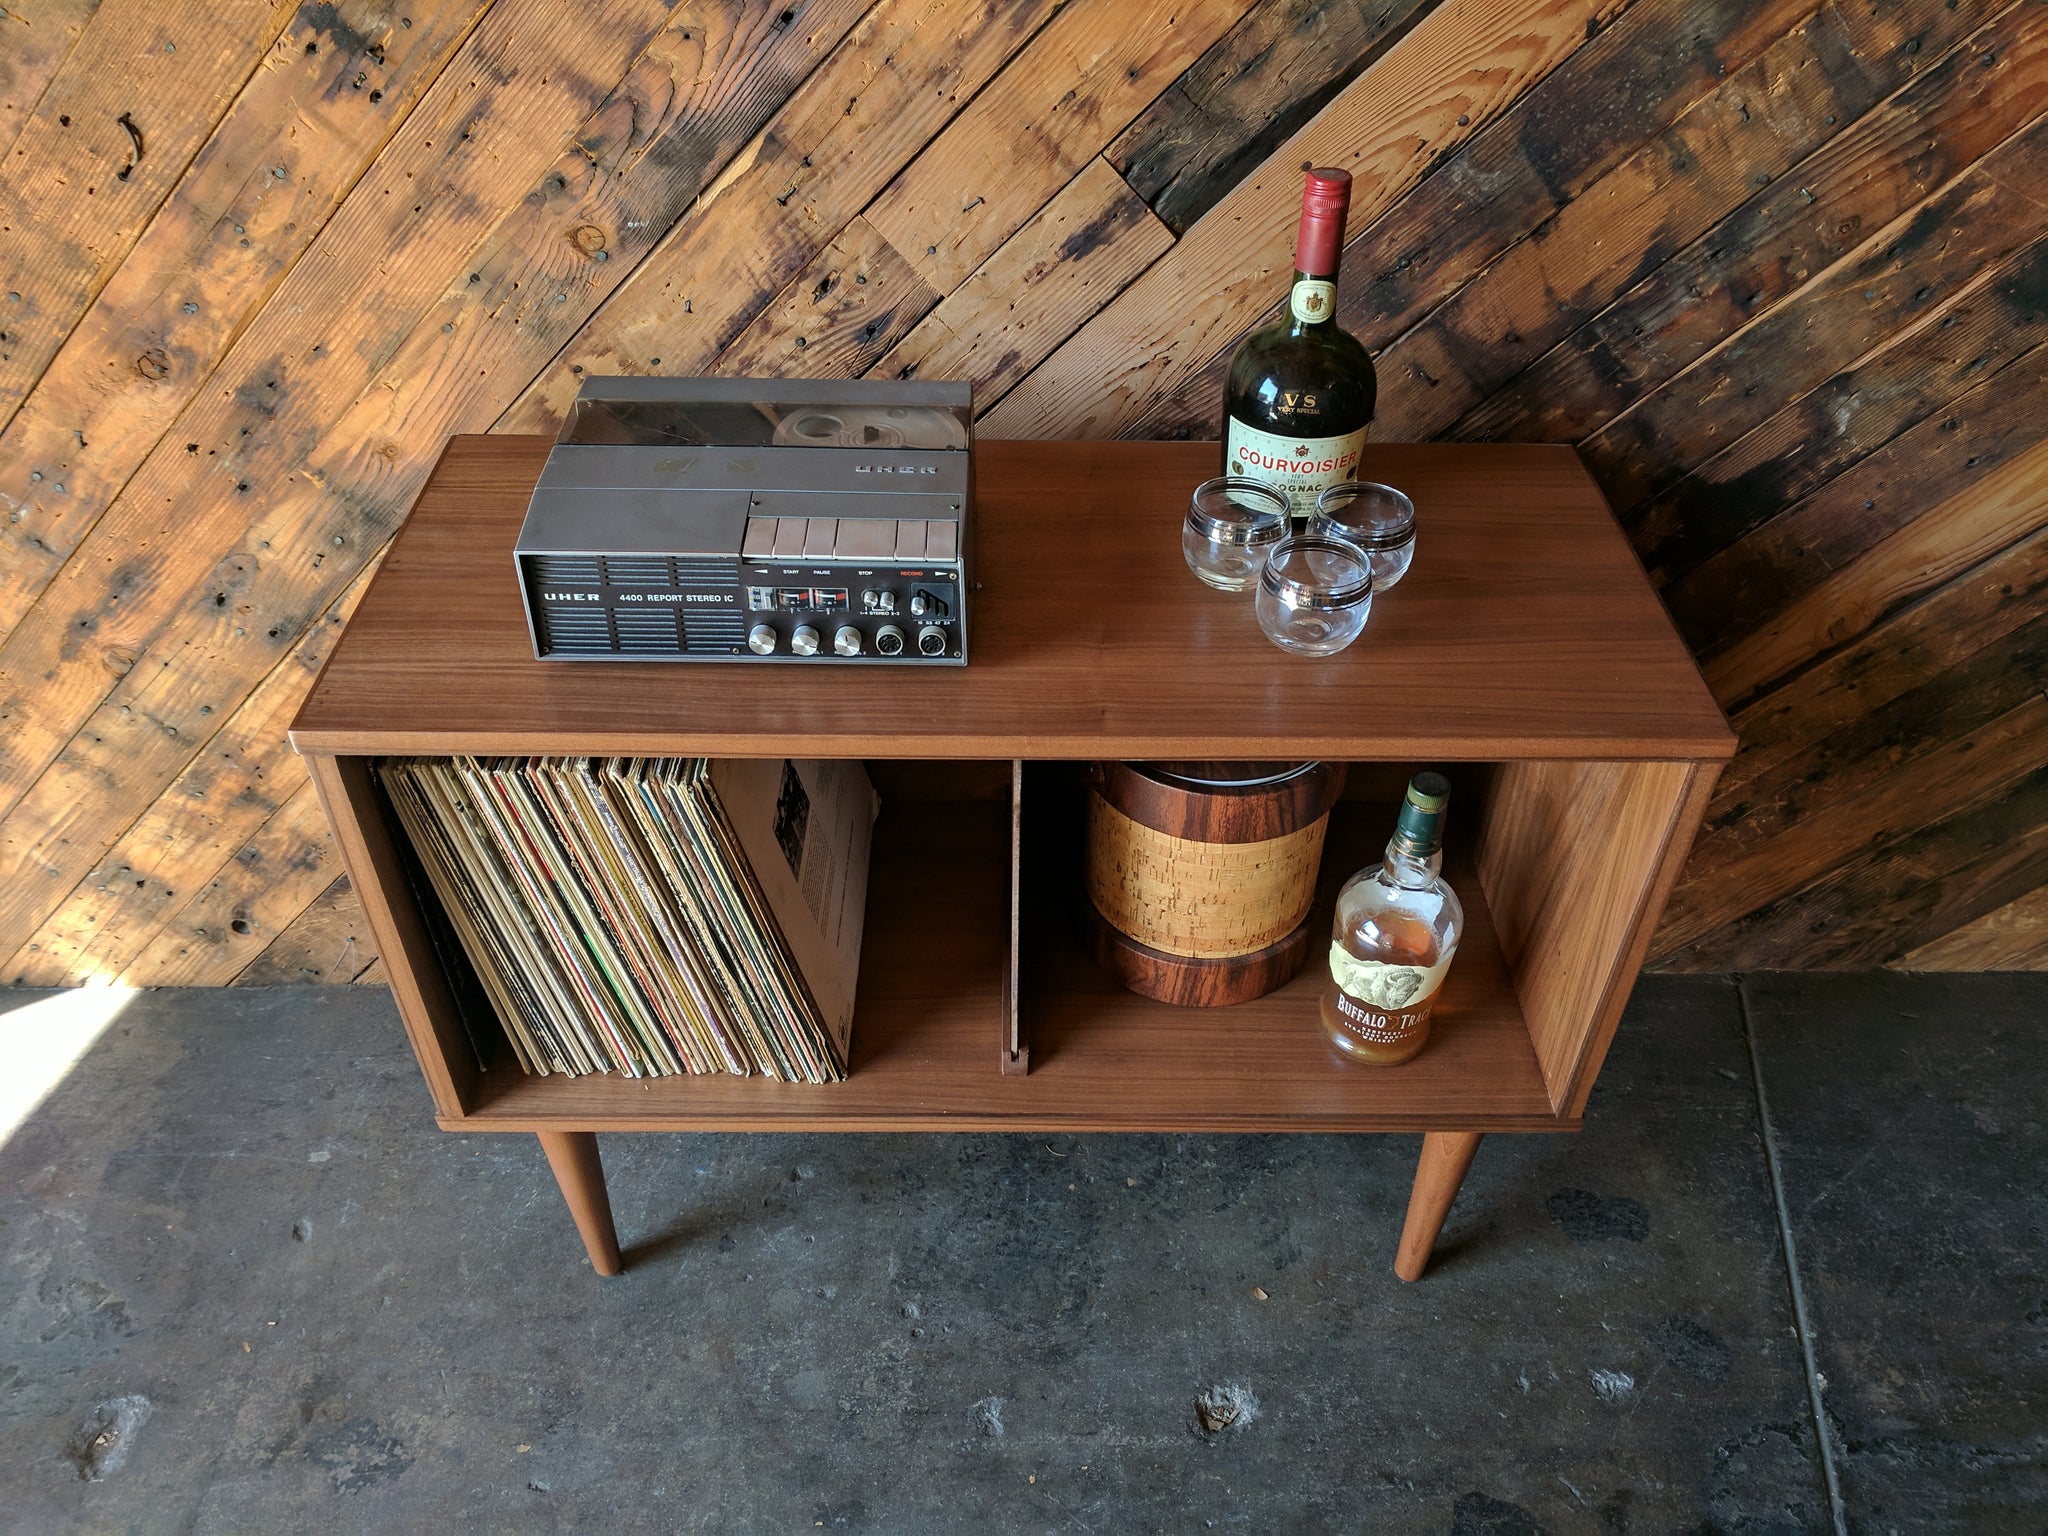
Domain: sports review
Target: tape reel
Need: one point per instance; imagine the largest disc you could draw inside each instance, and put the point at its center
(848, 426)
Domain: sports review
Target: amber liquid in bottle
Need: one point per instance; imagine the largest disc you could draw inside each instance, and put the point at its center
(1395, 935)
(1370, 1031)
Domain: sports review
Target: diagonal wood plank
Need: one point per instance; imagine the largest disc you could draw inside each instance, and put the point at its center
(1467, 61)
(904, 72)
(1071, 258)
(1808, 217)
(619, 192)
(115, 128)
(1836, 426)
(1731, 597)
(293, 145)
(1970, 527)
(1498, 189)
(1908, 651)
(972, 187)
(1804, 103)
(190, 832)
(230, 920)
(469, 153)
(328, 943)
(1990, 671)
(364, 278)
(2006, 673)
(836, 316)
(1493, 190)
(665, 123)
(1243, 98)
(1903, 272)
(1948, 741)
(689, 99)
(1730, 875)
(1952, 871)
(38, 36)
(1045, 116)
(2013, 937)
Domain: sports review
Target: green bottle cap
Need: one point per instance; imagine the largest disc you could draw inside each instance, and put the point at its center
(1429, 791)
(1421, 825)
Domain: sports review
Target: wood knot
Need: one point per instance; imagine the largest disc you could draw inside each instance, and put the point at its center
(153, 364)
(118, 659)
(588, 239)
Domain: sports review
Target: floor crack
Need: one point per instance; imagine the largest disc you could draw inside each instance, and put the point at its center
(1823, 1435)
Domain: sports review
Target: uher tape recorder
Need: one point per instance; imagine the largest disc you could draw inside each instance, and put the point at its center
(811, 522)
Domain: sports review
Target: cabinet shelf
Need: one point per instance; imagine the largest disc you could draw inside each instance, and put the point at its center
(1526, 629)
(925, 1029)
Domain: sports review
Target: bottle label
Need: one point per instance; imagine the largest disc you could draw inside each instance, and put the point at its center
(1380, 1002)
(1312, 299)
(1297, 466)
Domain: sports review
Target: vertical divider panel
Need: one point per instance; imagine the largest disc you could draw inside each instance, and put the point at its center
(433, 1021)
(1570, 855)
(1016, 1049)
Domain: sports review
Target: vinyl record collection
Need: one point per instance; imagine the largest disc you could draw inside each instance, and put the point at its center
(652, 916)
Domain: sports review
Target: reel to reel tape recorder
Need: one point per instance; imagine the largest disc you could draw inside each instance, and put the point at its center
(814, 522)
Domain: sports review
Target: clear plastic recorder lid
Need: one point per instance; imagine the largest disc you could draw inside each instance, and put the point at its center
(771, 413)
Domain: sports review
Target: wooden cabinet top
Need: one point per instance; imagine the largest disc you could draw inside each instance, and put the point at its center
(1525, 629)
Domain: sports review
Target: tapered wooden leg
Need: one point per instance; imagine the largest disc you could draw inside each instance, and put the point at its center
(1445, 1157)
(573, 1156)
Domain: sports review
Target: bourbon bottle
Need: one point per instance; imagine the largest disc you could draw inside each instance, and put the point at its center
(1396, 932)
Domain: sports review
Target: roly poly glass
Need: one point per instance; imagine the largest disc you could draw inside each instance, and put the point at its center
(1377, 518)
(1231, 523)
(1314, 594)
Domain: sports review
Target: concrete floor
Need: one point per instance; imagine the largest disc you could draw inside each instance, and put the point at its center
(249, 1287)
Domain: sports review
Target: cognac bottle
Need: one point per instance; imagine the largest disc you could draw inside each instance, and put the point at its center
(1301, 391)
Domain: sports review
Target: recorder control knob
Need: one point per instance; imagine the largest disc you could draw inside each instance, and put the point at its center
(847, 641)
(804, 641)
(927, 605)
(889, 640)
(761, 640)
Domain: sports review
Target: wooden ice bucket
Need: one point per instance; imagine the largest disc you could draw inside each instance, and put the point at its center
(1200, 876)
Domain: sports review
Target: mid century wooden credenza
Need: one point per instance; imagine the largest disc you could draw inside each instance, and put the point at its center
(1525, 654)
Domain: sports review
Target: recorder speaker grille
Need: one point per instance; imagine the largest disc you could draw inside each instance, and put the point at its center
(702, 573)
(582, 631)
(638, 571)
(714, 634)
(565, 570)
(652, 630)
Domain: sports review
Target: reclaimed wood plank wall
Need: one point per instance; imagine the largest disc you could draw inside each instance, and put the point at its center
(1778, 267)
